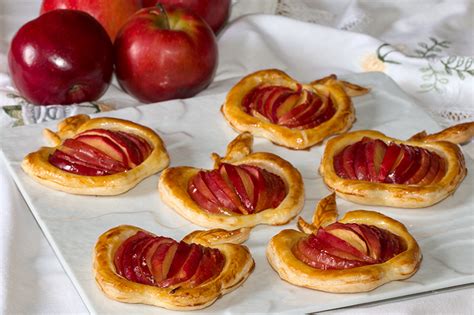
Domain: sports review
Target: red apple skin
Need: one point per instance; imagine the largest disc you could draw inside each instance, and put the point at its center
(214, 12)
(111, 14)
(155, 62)
(62, 57)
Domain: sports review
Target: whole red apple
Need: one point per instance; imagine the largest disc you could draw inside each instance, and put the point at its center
(61, 57)
(112, 14)
(165, 54)
(214, 12)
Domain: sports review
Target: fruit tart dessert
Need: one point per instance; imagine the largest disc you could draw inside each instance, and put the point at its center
(99, 156)
(368, 167)
(244, 189)
(272, 105)
(135, 266)
(357, 253)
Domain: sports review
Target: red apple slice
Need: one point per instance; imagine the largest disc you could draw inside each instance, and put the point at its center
(248, 102)
(371, 239)
(348, 156)
(222, 192)
(401, 165)
(277, 96)
(91, 155)
(262, 97)
(298, 115)
(345, 233)
(130, 153)
(424, 165)
(230, 190)
(260, 183)
(69, 164)
(315, 255)
(243, 185)
(391, 155)
(360, 162)
(161, 261)
(147, 254)
(413, 166)
(203, 201)
(123, 258)
(285, 106)
(143, 146)
(210, 265)
(336, 246)
(187, 268)
(432, 171)
(375, 152)
(338, 167)
(139, 266)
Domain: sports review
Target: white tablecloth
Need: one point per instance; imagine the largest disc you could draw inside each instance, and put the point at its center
(425, 46)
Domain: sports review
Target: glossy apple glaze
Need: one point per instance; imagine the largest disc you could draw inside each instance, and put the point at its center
(344, 246)
(296, 109)
(99, 152)
(164, 262)
(237, 189)
(374, 160)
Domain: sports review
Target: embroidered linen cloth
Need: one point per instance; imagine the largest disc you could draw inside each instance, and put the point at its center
(426, 47)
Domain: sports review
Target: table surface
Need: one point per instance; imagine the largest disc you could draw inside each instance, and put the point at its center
(33, 280)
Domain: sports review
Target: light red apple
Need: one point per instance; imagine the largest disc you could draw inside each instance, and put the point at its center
(165, 54)
(112, 14)
(214, 12)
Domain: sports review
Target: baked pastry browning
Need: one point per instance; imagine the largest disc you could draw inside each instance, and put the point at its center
(272, 105)
(243, 190)
(135, 266)
(99, 156)
(358, 253)
(368, 167)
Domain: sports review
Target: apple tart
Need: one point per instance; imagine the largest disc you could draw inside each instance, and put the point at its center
(270, 104)
(358, 253)
(368, 167)
(99, 156)
(243, 190)
(135, 266)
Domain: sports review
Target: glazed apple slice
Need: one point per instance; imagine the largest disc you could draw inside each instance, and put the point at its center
(339, 167)
(336, 246)
(348, 156)
(425, 163)
(184, 265)
(123, 258)
(344, 232)
(391, 155)
(72, 165)
(313, 253)
(91, 155)
(285, 106)
(224, 193)
(243, 184)
(360, 161)
(277, 96)
(373, 243)
(375, 152)
(211, 264)
(161, 261)
(124, 150)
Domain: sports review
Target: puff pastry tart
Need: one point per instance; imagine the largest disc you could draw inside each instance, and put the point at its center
(357, 253)
(243, 190)
(368, 167)
(100, 156)
(135, 266)
(272, 105)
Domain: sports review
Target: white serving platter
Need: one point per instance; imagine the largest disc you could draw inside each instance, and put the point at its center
(191, 130)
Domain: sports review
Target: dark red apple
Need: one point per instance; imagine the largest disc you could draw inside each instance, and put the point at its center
(112, 14)
(214, 12)
(62, 57)
(165, 54)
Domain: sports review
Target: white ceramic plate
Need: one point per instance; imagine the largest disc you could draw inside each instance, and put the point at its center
(191, 130)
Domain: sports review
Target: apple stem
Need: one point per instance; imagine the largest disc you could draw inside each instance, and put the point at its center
(163, 21)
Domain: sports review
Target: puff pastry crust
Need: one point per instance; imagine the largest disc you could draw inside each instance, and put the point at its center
(400, 195)
(358, 279)
(238, 266)
(174, 181)
(37, 166)
(340, 93)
